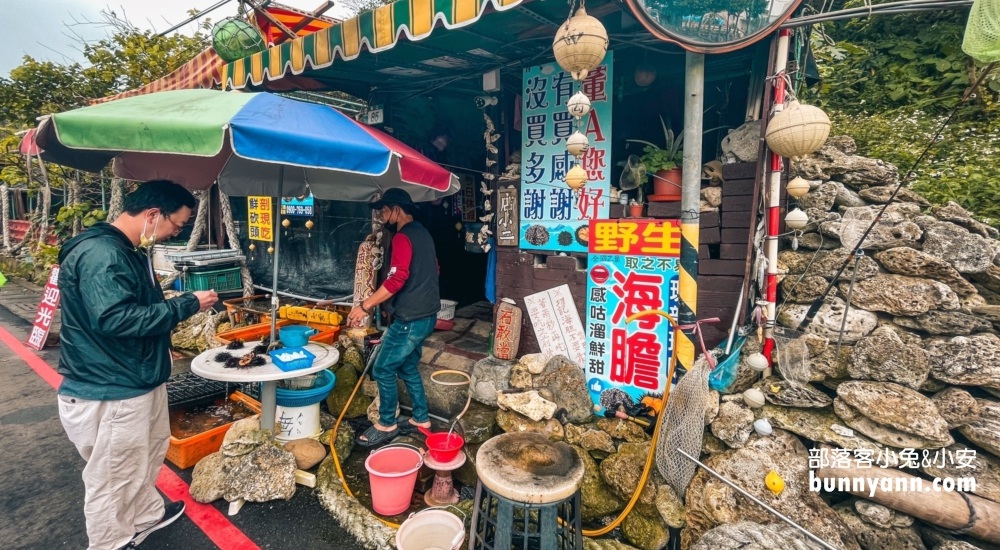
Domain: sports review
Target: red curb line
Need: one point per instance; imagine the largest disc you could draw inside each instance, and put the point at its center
(206, 517)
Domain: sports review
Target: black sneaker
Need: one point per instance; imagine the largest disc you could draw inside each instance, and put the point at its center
(171, 512)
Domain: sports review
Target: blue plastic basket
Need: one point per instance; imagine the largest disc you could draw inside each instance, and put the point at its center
(294, 364)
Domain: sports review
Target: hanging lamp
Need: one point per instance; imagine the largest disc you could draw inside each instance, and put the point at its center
(797, 130)
(580, 44)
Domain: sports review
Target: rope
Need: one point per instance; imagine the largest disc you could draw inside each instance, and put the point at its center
(116, 204)
(200, 220)
(168, 282)
(234, 240)
(5, 204)
(747, 534)
(973, 516)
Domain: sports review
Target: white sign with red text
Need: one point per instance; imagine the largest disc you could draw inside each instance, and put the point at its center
(46, 312)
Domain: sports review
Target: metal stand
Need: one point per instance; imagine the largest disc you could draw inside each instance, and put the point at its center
(502, 524)
(443, 489)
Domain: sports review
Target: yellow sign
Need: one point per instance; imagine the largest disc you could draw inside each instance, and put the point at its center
(657, 238)
(260, 218)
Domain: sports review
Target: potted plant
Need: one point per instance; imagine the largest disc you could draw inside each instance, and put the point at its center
(635, 208)
(664, 163)
(636, 205)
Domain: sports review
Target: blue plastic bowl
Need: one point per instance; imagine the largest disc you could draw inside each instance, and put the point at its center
(295, 336)
(311, 396)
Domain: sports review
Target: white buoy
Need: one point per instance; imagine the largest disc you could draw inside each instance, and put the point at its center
(757, 362)
(762, 426)
(754, 398)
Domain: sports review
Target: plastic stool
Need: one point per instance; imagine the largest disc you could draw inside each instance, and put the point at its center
(528, 495)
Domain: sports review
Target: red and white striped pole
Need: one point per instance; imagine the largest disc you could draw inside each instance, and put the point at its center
(774, 202)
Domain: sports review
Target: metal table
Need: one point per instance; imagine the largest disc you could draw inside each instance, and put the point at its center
(267, 374)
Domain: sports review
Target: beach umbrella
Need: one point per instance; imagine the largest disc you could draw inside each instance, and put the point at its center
(251, 143)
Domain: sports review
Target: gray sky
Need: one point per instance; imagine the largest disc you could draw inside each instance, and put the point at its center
(46, 29)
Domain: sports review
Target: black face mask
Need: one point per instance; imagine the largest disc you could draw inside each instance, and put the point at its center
(387, 225)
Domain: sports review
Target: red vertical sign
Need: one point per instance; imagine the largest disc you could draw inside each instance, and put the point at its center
(46, 312)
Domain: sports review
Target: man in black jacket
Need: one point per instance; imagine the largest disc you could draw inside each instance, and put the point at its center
(115, 359)
(410, 293)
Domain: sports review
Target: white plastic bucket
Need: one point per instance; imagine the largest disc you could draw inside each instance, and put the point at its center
(431, 529)
(297, 422)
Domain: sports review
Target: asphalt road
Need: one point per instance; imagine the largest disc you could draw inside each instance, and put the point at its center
(41, 491)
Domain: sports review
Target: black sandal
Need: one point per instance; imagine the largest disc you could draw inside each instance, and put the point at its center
(374, 437)
(406, 427)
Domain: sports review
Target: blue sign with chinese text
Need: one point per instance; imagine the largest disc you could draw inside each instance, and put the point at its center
(553, 216)
(298, 206)
(633, 268)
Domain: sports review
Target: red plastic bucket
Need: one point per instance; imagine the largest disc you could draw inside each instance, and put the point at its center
(444, 447)
(392, 472)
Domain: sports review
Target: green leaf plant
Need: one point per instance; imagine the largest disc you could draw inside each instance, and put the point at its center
(667, 157)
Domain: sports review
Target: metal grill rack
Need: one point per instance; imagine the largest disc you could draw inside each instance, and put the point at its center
(186, 388)
(203, 258)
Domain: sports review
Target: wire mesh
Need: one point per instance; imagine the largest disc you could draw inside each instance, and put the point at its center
(186, 388)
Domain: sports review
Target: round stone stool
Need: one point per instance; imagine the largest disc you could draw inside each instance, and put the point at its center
(528, 495)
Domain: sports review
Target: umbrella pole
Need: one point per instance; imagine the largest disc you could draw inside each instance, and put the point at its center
(268, 390)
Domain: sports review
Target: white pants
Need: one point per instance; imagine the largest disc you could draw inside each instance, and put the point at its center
(124, 443)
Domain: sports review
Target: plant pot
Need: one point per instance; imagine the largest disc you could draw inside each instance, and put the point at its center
(635, 210)
(667, 185)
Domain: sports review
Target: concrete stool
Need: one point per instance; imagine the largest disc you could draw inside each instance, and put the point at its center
(528, 495)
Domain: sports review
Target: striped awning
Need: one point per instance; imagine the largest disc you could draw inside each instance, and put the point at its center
(205, 69)
(201, 72)
(374, 31)
(300, 22)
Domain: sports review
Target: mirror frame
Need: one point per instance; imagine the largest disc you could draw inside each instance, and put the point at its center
(659, 31)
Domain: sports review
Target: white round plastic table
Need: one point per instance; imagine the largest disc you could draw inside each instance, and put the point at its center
(267, 374)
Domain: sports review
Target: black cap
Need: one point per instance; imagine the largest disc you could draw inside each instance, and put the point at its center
(393, 197)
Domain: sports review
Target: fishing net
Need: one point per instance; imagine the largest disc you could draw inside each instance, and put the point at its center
(982, 33)
(856, 221)
(684, 427)
(792, 355)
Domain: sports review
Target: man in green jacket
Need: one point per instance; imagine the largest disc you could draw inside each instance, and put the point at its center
(115, 359)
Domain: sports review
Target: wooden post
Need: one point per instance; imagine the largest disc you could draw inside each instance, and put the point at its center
(944, 509)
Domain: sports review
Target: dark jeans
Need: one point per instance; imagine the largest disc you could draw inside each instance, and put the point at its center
(402, 346)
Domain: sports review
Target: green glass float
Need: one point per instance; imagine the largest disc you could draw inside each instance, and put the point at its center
(234, 39)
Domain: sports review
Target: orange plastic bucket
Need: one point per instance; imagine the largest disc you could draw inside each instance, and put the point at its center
(392, 472)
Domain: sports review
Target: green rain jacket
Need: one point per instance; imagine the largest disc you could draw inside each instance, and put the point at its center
(116, 323)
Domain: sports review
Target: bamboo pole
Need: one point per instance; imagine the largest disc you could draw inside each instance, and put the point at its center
(944, 509)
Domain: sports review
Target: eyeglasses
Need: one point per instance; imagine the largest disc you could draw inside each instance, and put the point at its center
(177, 226)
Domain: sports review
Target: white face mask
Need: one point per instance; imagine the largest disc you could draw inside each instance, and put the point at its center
(148, 242)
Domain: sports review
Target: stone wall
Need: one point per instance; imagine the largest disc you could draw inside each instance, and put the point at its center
(913, 372)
